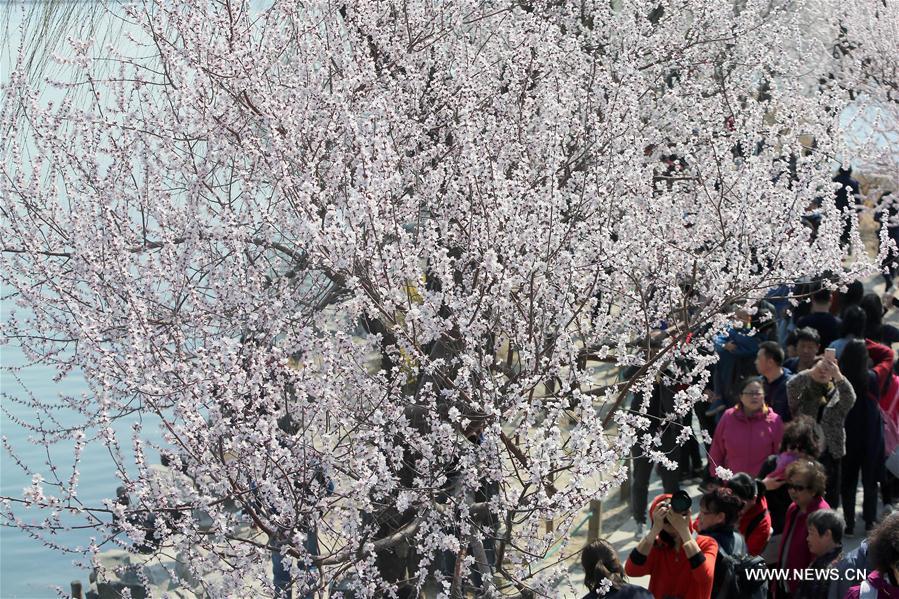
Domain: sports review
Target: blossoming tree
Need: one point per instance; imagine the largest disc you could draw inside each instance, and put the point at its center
(362, 259)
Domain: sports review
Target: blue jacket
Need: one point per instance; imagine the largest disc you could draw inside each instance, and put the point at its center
(746, 345)
(854, 560)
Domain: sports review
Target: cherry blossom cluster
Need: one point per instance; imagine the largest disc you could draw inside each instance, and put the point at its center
(372, 266)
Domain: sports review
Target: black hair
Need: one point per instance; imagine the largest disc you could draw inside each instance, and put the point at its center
(722, 500)
(853, 295)
(745, 382)
(883, 544)
(807, 334)
(854, 320)
(792, 339)
(824, 520)
(600, 562)
(744, 486)
(873, 307)
(803, 434)
(773, 351)
(822, 296)
(854, 366)
(802, 290)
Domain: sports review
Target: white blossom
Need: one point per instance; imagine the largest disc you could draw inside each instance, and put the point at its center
(373, 267)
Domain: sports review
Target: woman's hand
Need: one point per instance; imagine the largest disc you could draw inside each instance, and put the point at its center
(681, 525)
(644, 547)
(835, 375)
(772, 484)
(658, 518)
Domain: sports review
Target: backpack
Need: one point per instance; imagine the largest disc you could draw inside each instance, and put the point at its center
(731, 580)
(866, 591)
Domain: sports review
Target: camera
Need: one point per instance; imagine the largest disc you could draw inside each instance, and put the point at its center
(681, 502)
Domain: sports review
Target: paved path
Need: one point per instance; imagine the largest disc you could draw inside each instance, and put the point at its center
(619, 528)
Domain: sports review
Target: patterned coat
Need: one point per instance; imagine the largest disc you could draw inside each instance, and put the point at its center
(827, 404)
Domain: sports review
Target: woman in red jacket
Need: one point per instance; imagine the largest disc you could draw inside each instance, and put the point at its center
(679, 564)
(748, 433)
(806, 483)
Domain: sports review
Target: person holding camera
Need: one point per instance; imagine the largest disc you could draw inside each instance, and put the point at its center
(824, 394)
(680, 565)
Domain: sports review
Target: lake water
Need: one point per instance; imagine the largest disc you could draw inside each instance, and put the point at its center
(28, 569)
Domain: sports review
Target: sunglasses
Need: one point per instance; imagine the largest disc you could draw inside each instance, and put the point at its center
(791, 486)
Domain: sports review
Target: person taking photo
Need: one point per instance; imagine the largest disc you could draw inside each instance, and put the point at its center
(680, 565)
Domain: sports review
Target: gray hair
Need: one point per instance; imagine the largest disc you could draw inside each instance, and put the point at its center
(824, 520)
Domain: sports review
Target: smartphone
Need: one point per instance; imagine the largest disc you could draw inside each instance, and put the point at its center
(830, 354)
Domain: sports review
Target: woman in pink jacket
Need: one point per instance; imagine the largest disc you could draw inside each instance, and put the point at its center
(748, 433)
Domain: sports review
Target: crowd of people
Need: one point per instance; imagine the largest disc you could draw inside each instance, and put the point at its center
(801, 409)
(710, 556)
